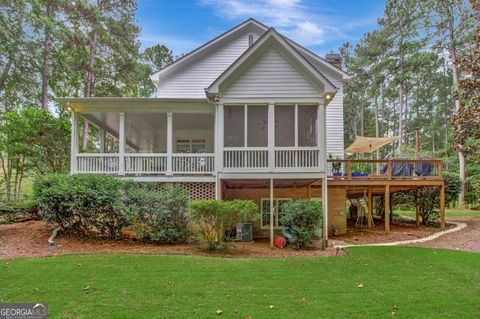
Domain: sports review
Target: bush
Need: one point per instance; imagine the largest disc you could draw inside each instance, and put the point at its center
(216, 217)
(90, 203)
(302, 218)
(159, 215)
(453, 186)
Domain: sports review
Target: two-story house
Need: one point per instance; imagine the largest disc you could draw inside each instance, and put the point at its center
(249, 115)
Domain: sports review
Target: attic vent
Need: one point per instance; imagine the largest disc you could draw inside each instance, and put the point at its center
(334, 58)
(250, 40)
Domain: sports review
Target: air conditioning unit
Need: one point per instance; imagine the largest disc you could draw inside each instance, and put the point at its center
(244, 232)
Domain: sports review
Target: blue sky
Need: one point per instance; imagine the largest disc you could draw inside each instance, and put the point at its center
(320, 25)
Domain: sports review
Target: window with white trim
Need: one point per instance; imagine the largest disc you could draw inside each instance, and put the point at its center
(277, 211)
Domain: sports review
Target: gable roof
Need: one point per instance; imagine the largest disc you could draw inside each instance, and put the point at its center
(187, 57)
(273, 36)
(249, 23)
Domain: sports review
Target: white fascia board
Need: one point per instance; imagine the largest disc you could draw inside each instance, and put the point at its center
(345, 75)
(270, 35)
(183, 60)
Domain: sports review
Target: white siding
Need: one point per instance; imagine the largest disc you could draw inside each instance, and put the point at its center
(191, 80)
(335, 145)
(270, 75)
(335, 133)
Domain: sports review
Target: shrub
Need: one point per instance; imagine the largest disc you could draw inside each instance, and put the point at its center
(90, 203)
(216, 217)
(159, 215)
(453, 186)
(302, 218)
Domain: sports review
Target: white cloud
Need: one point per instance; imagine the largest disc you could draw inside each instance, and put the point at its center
(291, 17)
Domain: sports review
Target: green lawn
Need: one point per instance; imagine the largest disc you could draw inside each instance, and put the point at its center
(448, 213)
(424, 283)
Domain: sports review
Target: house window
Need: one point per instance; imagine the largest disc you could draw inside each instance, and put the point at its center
(277, 211)
(191, 145)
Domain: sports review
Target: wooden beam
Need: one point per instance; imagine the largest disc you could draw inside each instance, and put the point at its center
(417, 207)
(387, 208)
(442, 206)
(370, 207)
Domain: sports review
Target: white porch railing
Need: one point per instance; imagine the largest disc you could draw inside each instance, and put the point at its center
(240, 157)
(98, 163)
(297, 157)
(202, 163)
(146, 163)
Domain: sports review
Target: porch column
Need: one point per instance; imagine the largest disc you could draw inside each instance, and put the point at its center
(121, 144)
(271, 136)
(325, 211)
(387, 208)
(322, 137)
(74, 143)
(169, 142)
(370, 208)
(271, 213)
(219, 138)
(442, 206)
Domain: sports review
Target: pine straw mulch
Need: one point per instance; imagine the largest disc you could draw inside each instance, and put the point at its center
(30, 239)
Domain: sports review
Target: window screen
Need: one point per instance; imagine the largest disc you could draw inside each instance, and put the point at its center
(234, 122)
(285, 125)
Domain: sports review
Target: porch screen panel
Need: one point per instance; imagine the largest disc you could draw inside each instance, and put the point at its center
(284, 125)
(234, 126)
(193, 133)
(103, 136)
(307, 125)
(146, 132)
(257, 131)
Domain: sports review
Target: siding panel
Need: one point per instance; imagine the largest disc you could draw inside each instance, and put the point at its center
(190, 81)
(270, 75)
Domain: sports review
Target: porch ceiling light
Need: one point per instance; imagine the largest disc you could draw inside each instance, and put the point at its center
(328, 96)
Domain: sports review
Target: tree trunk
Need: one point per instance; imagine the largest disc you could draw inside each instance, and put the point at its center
(376, 124)
(88, 83)
(455, 77)
(47, 42)
(362, 121)
(400, 114)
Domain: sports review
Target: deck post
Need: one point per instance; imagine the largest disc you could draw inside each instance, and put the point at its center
(169, 142)
(271, 136)
(271, 213)
(442, 206)
(370, 207)
(325, 212)
(121, 144)
(417, 207)
(74, 143)
(387, 208)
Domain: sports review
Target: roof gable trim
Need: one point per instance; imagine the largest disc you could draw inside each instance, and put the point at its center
(257, 48)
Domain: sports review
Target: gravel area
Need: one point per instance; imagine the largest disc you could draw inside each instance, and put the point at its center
(467, 239)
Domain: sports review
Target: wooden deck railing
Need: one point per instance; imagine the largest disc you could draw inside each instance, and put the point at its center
(385, 169)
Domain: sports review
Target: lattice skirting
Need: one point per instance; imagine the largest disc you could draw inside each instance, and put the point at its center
(196, 190)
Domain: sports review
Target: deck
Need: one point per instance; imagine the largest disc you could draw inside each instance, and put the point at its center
(385, 177)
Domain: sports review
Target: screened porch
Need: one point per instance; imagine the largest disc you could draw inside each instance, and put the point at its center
(272, 136)
(129, 143)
